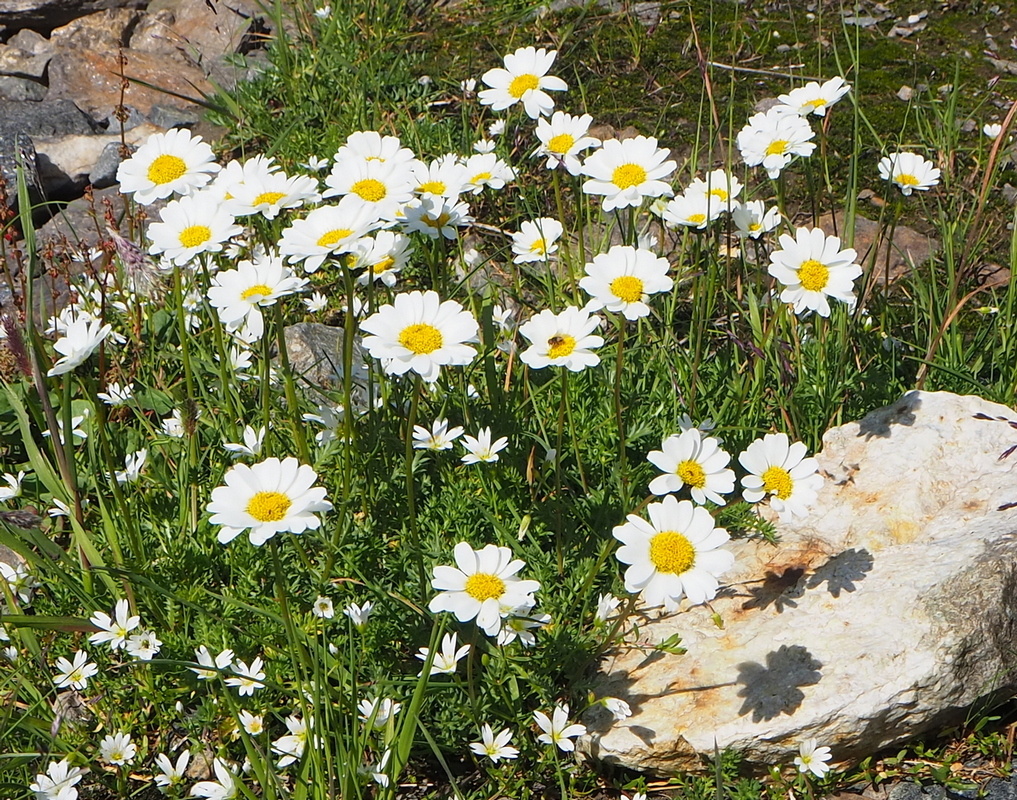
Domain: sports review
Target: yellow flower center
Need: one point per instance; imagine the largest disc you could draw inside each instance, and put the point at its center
(76, 676)
(561, 143)
(195, 235)
(484, 586)
(628, 288)
(777, 480)
(370, 190)
(754, 226)
(258, 290)
(539, 246)
(560, 345)
(480, 177)
(269, 506)
(776, 148)
(672, 552)
(692, 473)
(268, 198)
(813, 275)
(438, 222)
(819, 102)
(333, 236)
(434, 187)
(382, 265)
(697, 218)
(720, 194)
(522, 84)
(166, 169)
(628, 175)
(421, 338)
(905, 179)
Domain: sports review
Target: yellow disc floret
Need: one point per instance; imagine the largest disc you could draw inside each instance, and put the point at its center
(370, 190)
(692, 473)
(432, 187)
(333, 237)
(522, 84)
(166, 169)
(560, 345)
(268, 198)
(672, 552)
(421, 338)
(628, 175)
(814, 275)
(777, 147)
(195, 235)
(627, 288)
(905, 179)
(561, 143)
(269, 506)
(484, 586)
(777, 480)
(258, 290)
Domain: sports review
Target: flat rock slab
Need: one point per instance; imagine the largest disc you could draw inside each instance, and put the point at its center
(45, 15)
(892, 259)
(882, 616)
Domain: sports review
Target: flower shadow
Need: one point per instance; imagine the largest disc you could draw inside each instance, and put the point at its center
(773, 689)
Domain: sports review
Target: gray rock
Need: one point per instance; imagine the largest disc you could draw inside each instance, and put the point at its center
(315, 354)
(45, 15)
(999, 789)
(882, 616)
(16, 60)
(104, 173)
(17, 149)
(163, 116)
(15, 88)
(44, 119)
(104, 30)
(79, 224)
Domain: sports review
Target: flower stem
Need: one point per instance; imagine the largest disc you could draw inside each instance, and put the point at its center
(411, 494)
(291, 391)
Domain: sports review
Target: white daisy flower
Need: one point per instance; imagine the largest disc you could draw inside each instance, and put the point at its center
(172, 774)
(421, 333)
(74, 674)
(270, 193)
(812, 267)
(482, 586)
(191, 226)
(380, 187)
(327, 230)
(167, 163)
(557, 730)
(133, 464)
(58, 782)
(773, 139)
(562, 340)
(236, 173)
(143, 646)
(719, 186)
(381, 257)
(780, 469)
(323, 607)
(267, 498)
(238, 295)
(752, 219)
(675, 553)
(524, 79)
(622, 279)
(117, 749)
(253, 440)
(692, 460)
(444, 177)
(82, 338)
(692, 210)
(909, 171)
(445, 661)
(627, 171)
(210, 667)
(116, 629)
(494, 747)
(247, 678)
(436, 216)
(536, 240)
(563, 138)
(481, 449)
(439, 437)
(486, 170)
(813, 98)
(813, 759)
(372, 146)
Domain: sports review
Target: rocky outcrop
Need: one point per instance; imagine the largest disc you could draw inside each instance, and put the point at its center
(45, 15)
(885, 614)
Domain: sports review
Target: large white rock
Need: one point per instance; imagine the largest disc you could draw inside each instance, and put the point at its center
(885, 614)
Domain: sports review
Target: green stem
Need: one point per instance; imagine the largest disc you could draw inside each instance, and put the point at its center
(292, 406)
(623, 471)
(411, 493)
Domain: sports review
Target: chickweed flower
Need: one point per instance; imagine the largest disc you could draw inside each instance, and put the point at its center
(675, 553)
(563, 138)
(117, 749)
(116, 394)
(445, 661)
(813, 759)
(607, 604)
(482, 586)
(171, 774)
(247, 678)
(323, 608)
(773, 139)
(557, 730)
(494, 747)
(360, 615)
(74, 674)
(619, 708)
(536, 240)
(82, 338)
(58, 782)
(813, 98)
(143, 646)
(254, 724)
(439, 437)
(377, 711)
(627, 171)
(909, 171)
(253, 439)
(19, 580)
(622, 279)
(992, 129)
(421, 333)
(116, 629)
(267, 498)
(524, 79)
(224, 787)
(812, 267)
(133, 464)
(215, 665)
(562, 340)
(291, 747)
(780, 470)
(481, 448)
(316, 303)
(167, 163)
(692, 460)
